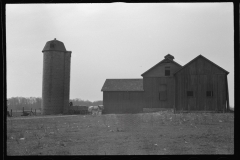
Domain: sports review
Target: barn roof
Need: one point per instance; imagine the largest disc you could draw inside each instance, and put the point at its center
(167, 59)
(123, 85)
(200, 56)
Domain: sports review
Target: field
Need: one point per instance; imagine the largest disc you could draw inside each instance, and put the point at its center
(159, 133)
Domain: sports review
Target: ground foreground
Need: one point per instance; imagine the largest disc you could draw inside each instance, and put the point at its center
(157, 133)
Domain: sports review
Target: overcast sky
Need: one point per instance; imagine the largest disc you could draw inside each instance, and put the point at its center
(115, 40)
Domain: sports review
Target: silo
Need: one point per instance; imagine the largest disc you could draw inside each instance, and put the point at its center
(56, 78)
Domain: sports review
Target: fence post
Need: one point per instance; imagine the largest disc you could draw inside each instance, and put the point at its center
(11, 112)
(23, 109)
(35, 112)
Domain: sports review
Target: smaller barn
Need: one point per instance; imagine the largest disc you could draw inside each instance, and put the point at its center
(201, 85)
(123, 96)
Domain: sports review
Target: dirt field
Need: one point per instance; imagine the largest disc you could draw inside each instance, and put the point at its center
(157, 133)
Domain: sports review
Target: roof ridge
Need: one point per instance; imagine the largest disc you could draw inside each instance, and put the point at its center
(197, 58)
(160, 63)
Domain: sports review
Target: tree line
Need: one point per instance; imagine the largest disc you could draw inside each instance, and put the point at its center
(17, 103)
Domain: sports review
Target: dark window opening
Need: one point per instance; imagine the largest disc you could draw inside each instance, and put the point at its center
(190, 93)
(209, 93)
(167, 71)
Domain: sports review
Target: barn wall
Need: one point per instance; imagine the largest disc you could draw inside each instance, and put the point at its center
(199, 77)
(152, 90)
(159, 70)
(123, 101)
(201, 66)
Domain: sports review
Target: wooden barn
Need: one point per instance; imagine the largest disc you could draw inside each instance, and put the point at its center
(201, 85)
(158, 83)
(155, 90)
(123, 95)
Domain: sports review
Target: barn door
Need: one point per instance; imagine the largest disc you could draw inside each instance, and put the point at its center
(162, 92)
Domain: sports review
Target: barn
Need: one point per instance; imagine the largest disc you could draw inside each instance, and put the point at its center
(158, 83)
(201, 85)
(155, 90)
(123, 95)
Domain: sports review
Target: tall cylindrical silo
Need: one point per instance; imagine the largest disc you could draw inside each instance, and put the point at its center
(56, 78)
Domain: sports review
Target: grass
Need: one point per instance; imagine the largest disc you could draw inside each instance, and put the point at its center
(142, 134)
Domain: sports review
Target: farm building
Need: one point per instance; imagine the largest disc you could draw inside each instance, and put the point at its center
(201, 85)
(158, 83)
(123, 95)
(155, 90)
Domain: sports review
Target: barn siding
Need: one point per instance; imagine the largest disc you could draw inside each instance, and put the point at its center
(200, 84)
(151, 89)
(201, 76)
(123, 101)
(152, 81)
(201, 66)
(159, 70)
(221, 93)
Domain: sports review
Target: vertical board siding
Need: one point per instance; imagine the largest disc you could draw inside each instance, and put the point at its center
(159, 70)
(215, 88)
(123, 102)
(152, 80)
(151, 89)
(221, 93)
(227, 94)
(198, 76)
(201, 76)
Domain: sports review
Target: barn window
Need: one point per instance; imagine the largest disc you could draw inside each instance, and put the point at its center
(209, 93)
(167, 71)
(189, 93)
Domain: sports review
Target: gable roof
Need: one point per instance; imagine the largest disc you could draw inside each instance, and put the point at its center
(200, 56)
(123, 85)
(163, 61)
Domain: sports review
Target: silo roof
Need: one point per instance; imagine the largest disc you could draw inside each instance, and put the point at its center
(54, 45)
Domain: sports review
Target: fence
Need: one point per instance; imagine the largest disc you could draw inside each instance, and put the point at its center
(23, 112)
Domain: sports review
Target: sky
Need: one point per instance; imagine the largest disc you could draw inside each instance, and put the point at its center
(115, 40)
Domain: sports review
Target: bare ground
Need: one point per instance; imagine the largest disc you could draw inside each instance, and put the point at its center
(157, 133)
